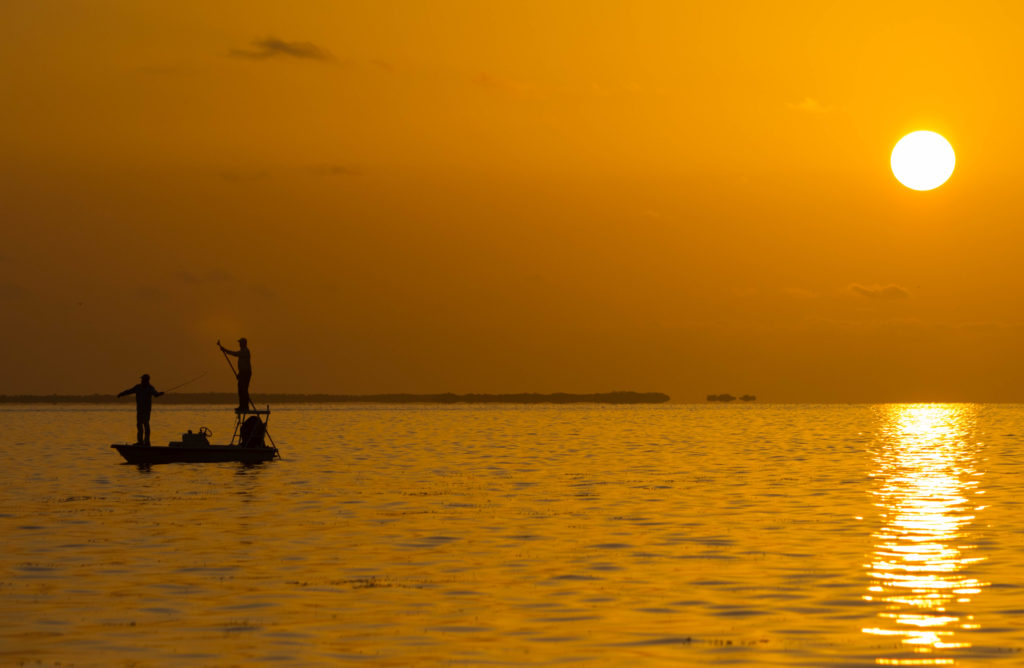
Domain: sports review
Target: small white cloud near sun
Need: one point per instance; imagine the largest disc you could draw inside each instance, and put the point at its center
(809, 105)
(923, 160)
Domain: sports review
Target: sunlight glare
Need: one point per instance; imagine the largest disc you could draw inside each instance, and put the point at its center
(926, 479)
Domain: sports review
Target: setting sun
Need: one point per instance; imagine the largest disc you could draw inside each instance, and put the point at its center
(923, 160)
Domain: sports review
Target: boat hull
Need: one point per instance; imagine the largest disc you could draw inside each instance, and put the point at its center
(145, 454)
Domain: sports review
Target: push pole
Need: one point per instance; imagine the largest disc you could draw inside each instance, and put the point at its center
(228, 360)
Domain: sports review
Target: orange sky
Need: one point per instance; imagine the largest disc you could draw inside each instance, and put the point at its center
(511, 196)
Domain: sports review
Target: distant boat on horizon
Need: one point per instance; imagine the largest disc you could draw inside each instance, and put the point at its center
(726, 398)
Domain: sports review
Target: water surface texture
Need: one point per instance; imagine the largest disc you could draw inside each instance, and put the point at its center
(519, 535)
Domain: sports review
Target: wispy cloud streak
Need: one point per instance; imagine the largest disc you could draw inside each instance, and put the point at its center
(272, 47)
(888, 292)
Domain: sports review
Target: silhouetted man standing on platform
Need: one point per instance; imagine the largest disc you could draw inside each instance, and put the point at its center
(144, 393)
(244, 371)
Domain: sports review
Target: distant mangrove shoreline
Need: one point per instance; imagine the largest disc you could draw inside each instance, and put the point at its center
(446, 398)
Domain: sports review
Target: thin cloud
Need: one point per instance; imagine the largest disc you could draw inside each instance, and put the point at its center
(149, 293)
(11, 291)
(204, 278)
(272, 47)
(809, 105)
(262, 290)
(887, 293)
(168, 70)
(800, 293)
(505, 85)
(238, 176)
(336, 170)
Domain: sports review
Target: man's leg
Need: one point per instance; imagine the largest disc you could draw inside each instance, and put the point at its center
(243, 389)
(139, 428)
(144, 428)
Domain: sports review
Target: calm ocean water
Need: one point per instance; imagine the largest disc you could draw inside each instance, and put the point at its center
(512, 535)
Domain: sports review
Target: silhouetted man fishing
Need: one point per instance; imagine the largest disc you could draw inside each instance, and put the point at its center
(144, 393)
(244, 374)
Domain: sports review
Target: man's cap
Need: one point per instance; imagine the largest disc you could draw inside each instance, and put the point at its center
(243, 340)
(145, 376)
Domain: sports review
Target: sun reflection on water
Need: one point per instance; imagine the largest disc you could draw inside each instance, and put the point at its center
(926, 490)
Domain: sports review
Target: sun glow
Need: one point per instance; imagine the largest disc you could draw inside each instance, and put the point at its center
(923, 160)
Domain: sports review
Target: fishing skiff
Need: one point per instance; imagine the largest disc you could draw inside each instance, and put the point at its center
(250, 448)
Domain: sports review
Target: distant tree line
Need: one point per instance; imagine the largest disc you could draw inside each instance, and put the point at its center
(446, 398)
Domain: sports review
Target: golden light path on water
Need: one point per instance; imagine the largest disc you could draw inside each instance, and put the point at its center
(926, 486)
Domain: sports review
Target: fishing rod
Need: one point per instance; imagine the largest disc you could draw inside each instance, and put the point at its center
(185, 383)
